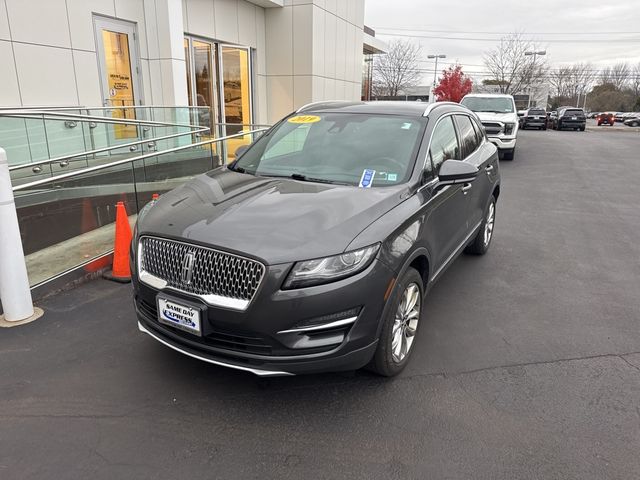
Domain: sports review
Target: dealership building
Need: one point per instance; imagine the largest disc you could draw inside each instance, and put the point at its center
(250, 61)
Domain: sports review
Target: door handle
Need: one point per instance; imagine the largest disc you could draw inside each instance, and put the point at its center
(466, 188)
(488, 168)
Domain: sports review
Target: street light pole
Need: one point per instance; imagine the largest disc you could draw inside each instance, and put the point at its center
(535, 55)
(435, 73)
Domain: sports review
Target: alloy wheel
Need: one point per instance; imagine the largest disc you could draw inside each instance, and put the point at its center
(488, 224)
(405, 324)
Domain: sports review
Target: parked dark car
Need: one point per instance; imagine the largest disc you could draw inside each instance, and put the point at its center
(314, 250)
(571, 118)
(535, 118)
(605, 118)
(633, 121)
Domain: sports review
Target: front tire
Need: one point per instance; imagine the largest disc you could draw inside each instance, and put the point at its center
(482, 240)
(400, 325)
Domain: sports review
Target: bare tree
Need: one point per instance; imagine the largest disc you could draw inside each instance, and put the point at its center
(559, 79)
(635, 80)
(618, 75)
(398, 69)
(509, 65)
(580, 79)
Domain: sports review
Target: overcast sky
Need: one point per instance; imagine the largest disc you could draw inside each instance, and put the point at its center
(570, 31)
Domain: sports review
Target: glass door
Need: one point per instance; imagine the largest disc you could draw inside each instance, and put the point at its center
(201, 79)
(118, 61)
(236, 90)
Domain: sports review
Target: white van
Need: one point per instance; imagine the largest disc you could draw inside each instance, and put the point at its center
(499, 116)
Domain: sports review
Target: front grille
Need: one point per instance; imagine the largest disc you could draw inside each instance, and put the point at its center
(212, 272)
(492, 128)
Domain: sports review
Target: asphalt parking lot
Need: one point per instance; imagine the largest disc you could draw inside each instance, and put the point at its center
(527, 365)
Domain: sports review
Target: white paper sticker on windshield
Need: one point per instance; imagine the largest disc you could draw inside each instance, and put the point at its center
(392, 177)
(406, 126)
(367, 178)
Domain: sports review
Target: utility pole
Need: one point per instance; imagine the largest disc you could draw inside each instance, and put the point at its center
(435, 74)
(535, 55)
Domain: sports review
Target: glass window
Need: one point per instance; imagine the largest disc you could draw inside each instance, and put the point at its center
(338, 148)
(489, 104)
(292, 142)
(187, 58)
(444, 143)
(237, 92)
(468, 139)
(118, 65)
(479, 131)
(204, 80)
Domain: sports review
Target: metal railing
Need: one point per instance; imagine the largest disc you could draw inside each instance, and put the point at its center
(97, 168)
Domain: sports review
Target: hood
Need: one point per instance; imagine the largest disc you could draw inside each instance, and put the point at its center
(498, 117)
(276, 220)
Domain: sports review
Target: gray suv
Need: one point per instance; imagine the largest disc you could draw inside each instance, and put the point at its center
(314, 250)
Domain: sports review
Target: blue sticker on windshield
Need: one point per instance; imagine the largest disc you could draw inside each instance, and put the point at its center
(367, 178)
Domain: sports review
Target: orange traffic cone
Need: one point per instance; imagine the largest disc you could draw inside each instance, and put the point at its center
(121, 272)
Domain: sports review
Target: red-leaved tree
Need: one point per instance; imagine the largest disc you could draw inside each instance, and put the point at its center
(453, 85)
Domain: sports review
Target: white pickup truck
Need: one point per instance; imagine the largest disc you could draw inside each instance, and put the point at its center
(499, 116)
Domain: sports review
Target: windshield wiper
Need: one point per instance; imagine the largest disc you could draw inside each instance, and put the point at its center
(304, 178)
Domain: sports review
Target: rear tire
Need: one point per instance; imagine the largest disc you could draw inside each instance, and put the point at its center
(582, 129)
(396, 341)
(482, 240)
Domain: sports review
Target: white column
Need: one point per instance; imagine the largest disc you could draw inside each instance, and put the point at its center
(14, 283)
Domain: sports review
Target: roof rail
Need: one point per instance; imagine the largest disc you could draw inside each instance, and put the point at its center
(324, 102)
(433, 105)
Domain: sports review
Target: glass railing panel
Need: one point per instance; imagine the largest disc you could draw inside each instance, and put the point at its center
(14, 140)
(166, 171)
(70, 222)
(64, 137)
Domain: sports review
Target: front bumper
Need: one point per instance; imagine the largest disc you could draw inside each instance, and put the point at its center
(260, 340)
(503, 143)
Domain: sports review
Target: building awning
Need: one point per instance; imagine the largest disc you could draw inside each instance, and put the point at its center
(371, 44)
(268, 3)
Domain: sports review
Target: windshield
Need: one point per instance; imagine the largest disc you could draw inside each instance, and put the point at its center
(489, 104)
(353, 149)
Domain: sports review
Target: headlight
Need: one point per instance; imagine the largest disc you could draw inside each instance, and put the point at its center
(508, 128)
(330, 269)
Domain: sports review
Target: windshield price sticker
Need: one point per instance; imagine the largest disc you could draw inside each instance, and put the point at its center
(367, 178)
(304, 119)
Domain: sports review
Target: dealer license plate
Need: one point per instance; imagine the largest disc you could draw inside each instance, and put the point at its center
(183, 317)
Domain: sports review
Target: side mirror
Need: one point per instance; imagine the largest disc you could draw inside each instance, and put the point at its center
(241, 149)
(456, 171)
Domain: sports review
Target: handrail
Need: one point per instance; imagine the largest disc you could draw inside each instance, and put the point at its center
(77, 173)
(91, 118)
(82, 107)
(104, 149)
